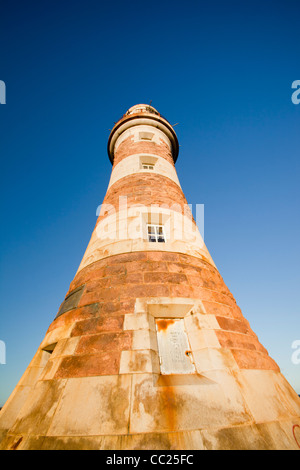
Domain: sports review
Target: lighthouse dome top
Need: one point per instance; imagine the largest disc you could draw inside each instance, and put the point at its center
(142, 114)
(141, 108)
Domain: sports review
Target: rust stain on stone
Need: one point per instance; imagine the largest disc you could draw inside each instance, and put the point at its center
(16, 444)
(170, 409)
(162, 325)
(297, 436)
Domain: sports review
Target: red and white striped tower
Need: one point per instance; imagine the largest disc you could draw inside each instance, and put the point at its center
(149, 349)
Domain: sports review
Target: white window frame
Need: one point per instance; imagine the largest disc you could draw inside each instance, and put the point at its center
(148, 166)
(156, 235)
(148, 136)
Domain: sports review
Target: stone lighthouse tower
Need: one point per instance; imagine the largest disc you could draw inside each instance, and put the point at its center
(149, 349)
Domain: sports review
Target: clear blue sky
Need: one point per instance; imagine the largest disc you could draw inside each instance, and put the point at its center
(223, 71)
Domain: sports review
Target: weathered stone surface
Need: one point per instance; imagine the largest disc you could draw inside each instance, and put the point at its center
(98, 325)
(87, 365)
(94, 406)
(104, 342)
(71, 301)
(186, 407)
(35, 417)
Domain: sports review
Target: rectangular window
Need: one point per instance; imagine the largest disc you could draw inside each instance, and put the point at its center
(156, 233)
(147, 162)
(148, 167)
(173, 347)
(146, 135)
(50, 348)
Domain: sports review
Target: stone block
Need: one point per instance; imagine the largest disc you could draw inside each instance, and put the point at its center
(106, 363)
(93, 406)
(92, 344)
(139, 362)
(200, 339)
(35, 416)
(213, 359)
(144, 339)
(139, 321)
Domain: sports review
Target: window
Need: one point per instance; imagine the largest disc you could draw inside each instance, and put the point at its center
(146, 135)
(49, 349)
(44, 361)
(156, 233)
(147, 162)
(148, 166)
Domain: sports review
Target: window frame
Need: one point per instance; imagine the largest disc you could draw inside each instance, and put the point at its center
(155, 234)
(148, 166)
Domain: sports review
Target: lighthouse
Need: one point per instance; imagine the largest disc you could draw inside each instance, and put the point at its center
(149, 349)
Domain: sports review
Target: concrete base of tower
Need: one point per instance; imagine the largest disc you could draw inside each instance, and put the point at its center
(276, 435)
(147, 411)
